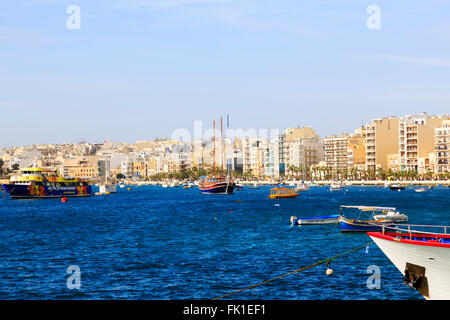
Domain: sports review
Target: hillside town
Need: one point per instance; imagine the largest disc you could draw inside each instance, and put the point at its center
(412, 147)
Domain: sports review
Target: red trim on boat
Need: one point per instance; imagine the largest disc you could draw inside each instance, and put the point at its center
(404, 238)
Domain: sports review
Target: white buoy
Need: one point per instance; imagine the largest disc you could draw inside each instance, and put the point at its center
(329, 272)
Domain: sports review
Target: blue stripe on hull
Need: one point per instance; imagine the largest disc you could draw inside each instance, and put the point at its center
(16, 191)
(359, 227)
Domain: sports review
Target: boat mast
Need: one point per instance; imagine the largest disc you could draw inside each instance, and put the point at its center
(214, 145)
(221, 147)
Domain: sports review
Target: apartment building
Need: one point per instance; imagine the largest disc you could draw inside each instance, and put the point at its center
(416, 141)
(382, 138)
(442, 147)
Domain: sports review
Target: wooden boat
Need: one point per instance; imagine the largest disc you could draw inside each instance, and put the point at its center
(282, 193)
(377, 217)
(314, 220)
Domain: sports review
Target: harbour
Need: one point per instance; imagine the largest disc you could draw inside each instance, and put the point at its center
(176, 243)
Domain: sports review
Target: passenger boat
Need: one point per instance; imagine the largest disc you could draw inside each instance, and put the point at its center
(282, 193)
(314, 220)
(423, 257)
(43, 183)
(376, 218)
(397, 186)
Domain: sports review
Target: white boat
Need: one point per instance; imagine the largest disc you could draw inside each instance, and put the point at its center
(302, 187)
(165, 185)
(107, 188)
(391, 214)
(422, 257)
(335, 186)
(314, 220)
(420, 190)
(173, 183)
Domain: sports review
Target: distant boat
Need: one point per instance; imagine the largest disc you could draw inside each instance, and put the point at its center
(302, 187)
(314, 220)
(397, 186)
(335, 186)
(282, 193)
(420, 190)
(107, 188)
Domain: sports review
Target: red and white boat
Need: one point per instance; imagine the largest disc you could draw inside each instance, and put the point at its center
(422, 257)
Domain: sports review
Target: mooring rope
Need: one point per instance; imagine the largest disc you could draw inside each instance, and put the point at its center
(292, 272)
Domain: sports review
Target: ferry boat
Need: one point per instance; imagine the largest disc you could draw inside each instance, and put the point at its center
(282, 193)
(379, 216)
(423, 257)
(43, 183)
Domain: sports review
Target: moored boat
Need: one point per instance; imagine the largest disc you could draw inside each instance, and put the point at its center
(282, 193)
(376, 217)
(397, 186)
(422, 257)
(295, 221)
(42, 183)
(216, 185)
(302, 187)
(335, 186)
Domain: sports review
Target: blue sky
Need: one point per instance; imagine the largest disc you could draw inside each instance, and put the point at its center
(139, 69)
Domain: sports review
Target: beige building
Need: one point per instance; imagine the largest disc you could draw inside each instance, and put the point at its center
(416, 141)
(302, 148)
(345, 151)
(442, 147)
(382, 138)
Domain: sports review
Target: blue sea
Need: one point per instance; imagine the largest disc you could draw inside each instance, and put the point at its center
(173, 243)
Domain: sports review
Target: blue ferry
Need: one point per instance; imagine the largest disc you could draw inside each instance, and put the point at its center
(42, 183)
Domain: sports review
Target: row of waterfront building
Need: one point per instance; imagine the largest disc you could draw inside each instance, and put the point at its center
(416, 143)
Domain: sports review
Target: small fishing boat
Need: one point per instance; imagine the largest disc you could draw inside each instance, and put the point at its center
(302, 187)
(422, 254)
(376, 218)
(397, 186)
(314, 220)
(282, 193)
(420, 190)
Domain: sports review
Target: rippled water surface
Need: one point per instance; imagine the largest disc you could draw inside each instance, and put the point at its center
(174, 243)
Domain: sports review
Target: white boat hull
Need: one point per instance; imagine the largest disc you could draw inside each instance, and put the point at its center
(435, 260)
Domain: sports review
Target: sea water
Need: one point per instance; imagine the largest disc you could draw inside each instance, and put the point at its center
(173, 243)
